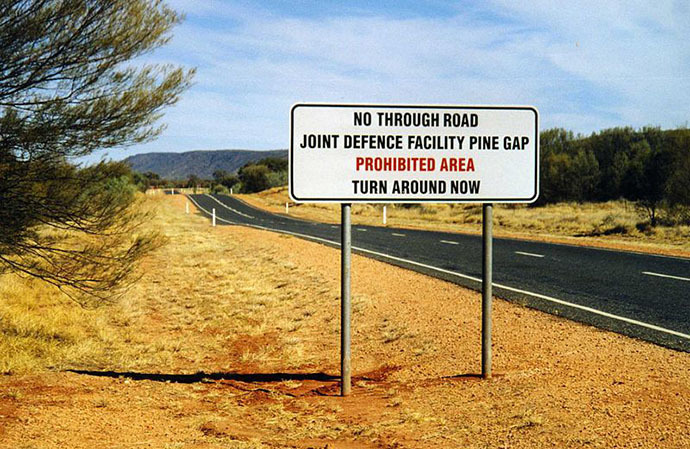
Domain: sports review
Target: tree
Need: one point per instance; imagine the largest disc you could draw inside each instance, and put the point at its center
(193, 181)
(679, 182)
(261, 175)
(647, 179)
(219, 175)
(554, 177)
(254, 178)
(679, 190)
(606, 145)
(225, 179)
(146, 180)
(583, 176)
(568, 172)
(275, 164)
(152, 179)
(66, 89)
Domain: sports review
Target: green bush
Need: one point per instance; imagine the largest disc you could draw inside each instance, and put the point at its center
(219, 189)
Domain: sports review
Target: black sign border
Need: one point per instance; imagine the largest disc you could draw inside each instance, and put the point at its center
(531, 199)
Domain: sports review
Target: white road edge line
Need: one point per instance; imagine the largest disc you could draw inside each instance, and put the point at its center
(397, 234)
(472, 278)
(650, 273)
(450, 242)
(529, 254)
(228, 207)
(209, 213)
(360, 229)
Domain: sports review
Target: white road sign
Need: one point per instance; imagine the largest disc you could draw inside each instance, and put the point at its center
(347, 153)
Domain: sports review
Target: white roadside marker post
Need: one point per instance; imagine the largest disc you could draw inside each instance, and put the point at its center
(287, 210)
(384, 215)
(186, 207)
(214, 216)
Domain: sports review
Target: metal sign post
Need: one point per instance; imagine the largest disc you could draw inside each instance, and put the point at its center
(345, 300)
(487, 256)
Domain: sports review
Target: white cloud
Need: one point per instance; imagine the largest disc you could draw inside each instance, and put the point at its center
(585, 65)
(637, 50)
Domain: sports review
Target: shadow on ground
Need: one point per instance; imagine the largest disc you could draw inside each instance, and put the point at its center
(202, 376)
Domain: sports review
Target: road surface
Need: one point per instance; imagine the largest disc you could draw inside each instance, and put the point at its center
(640, 295)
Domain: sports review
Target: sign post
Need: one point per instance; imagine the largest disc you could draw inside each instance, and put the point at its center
(345, 300)
(365, 153)
(487, 272)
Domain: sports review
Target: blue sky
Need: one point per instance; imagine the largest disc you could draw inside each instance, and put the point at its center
(586, 65)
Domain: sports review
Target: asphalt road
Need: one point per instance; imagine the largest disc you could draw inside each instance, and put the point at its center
(639, 295)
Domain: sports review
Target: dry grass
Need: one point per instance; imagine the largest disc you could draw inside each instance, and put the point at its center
(232, 296)
(40, 328)
(611, 224)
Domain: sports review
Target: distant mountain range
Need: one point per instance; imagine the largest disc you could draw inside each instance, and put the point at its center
(200, 163)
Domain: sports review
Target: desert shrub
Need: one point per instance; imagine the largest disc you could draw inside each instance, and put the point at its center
(220, 189)
(277, 179)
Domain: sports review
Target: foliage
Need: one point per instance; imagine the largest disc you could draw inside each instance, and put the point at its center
(220, 189)
(254, 178)
(143, 181)
(73, 228)
(274, 164)
(193, 181)
(649, 166)
(263, 174)
(65, 91)
(678, 189)
(276, 179)
(221, 178)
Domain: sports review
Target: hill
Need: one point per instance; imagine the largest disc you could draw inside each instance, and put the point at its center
(200, 163)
